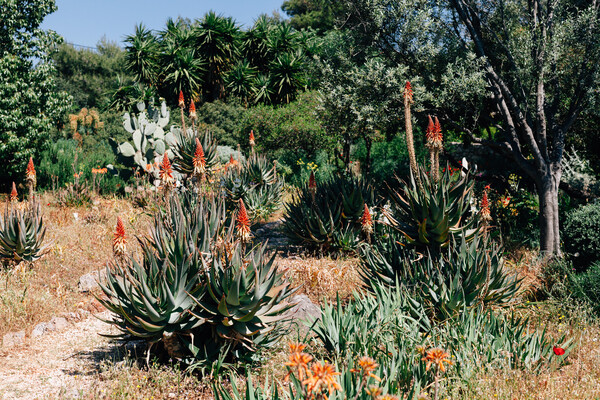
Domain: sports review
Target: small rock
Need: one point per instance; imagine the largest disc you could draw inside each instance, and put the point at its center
(82, 313)
(13, 339)
(89, 281)
(304, 310)
(57, 324)
(39, 329)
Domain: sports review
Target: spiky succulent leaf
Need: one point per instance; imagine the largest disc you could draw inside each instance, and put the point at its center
(22, 233)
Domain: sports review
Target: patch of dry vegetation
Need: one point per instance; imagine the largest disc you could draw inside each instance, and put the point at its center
(81, 241)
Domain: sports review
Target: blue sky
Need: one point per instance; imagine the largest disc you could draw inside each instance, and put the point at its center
(84, 22)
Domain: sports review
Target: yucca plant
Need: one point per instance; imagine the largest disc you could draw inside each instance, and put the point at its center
(429, 215)
(22, 233)
(328, 214)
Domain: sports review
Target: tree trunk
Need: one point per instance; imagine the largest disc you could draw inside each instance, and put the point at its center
(549, 226)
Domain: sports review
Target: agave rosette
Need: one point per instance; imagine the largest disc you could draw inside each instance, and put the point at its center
(22, 233)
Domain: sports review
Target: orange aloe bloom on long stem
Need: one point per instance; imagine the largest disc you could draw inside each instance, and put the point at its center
(181, 99)
(119, 241)
(199, 161)
(14, 196)
(366, 221)
(408, 92)
(298, 360)
(251, 140)
(367, 366)
(166, 172)
(193, 114)
(485, 206)
(437, 357)
(243, 223)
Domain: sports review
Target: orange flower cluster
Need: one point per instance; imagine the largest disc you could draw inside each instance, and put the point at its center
(166, 172)
(100, 171)
(243, 223)
(199, 161)
(181, 100)
(433, 134)
(119, 241)
(408, 92)
(251, 140)
(437, 357)
(193, 114)
(232, 161)
(318, 378)
(367, 366)
(366, 221)
(30, 169)
(14, 196)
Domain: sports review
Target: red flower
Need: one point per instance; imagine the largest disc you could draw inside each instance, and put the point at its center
(312, 183)
(119, 242)
(251, 141)
(559, 351)
(199, 161)
(30, 168)
(408, 92)
(243, 223)
(366, 221)
(13, 194)
(193, 114)
(166, 172)
(485, 206)
(181, 99)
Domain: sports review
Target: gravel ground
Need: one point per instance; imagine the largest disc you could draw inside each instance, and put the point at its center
(58, 365)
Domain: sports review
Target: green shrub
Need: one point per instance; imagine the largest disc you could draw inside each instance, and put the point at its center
(292, 126)
(586, 286)
(296, 166)
(581, 235)
(222, 120)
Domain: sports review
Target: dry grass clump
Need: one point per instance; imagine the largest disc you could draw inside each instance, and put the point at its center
(126, 380)
(322, 277)
(81, 242)
(578, 379)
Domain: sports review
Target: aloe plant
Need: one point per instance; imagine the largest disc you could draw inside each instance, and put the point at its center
(431, 214)
(185, 147)
(328, 214)
(22, 233)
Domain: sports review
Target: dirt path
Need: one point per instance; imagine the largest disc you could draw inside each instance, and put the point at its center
(57, 365)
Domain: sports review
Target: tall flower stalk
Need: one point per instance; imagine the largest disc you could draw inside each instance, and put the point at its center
(434, 143)
(119, 241)
(31, 178)
(410, 143)
(193, 115)
(181, 107)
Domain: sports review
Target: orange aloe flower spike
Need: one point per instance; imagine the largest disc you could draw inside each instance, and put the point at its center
(119, 241)
(243, 223)
(14, 196)
(408, 92)
(181, 99)
(193, 114)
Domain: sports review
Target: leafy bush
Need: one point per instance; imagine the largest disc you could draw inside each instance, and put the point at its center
(292, 126)
(222, 120)
(581, 235)
(296, 166)
(570, 287)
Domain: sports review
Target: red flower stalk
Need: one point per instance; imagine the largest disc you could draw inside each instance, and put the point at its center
(181, 100)
(166, 172)
(312, 184)
(193, 114)
(199, 161)
(30, 169)
(485, 207)
(14, 196)
(434, 134)
(251, 141)
(408, 92)
(119, 241)
(243, 223)
(366, 221)
(559, 351)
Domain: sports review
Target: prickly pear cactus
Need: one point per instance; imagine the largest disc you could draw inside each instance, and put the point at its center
(149, 140)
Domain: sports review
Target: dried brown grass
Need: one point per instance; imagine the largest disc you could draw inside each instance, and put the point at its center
(81, 242)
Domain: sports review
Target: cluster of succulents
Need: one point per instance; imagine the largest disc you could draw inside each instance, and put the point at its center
(22, 229)
(198, 289)
(256, 182)
(331, 215)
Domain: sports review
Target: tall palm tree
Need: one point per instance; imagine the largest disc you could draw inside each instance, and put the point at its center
(288, 76)
(256, 43)
(142, 55)
(217, 40)
(240, 80)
